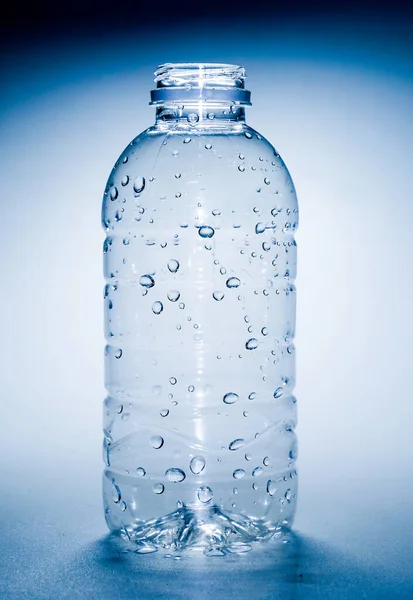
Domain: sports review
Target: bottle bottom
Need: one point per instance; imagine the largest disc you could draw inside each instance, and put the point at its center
(208, 530)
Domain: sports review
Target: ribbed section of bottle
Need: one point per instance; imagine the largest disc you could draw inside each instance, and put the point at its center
(200, 263)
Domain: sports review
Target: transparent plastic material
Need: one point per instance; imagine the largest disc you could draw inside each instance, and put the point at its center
(200, 261)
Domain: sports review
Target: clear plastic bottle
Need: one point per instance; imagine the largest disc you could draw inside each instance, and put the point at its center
(200, 261)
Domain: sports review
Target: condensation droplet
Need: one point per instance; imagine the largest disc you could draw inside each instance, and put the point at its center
(157, 442)
(139, 184)
(147, 281)
(197, 465)
(192, 119)
(238, 473)
(173, 295)
(125, 180)
(257, 471)
(260, 227)
(236, 444)
(267, 181)
(173, 265)
(206, 232)
(278, 392)
(175, 475)
(223, 271)
(140, 472)
(248, 135)
(252, 344)
(177, 175)
(230, 398)
(233, 282)
(264, 331)
(216, 212)
(118, 353)
(288, 495)
(271, 487)
(116, 495)
(157, 307)
(241, 168)
(113, 193)
(266, 246)
(205, 494)
(252, 396)
(248, 456)
(164, 412)
(211, 116)
(158, 488)
(218, 296)
(187, 140)
(266, 461)
(208, 146)
(173, 380)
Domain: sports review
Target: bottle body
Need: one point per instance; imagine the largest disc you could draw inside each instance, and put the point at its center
(200, 262)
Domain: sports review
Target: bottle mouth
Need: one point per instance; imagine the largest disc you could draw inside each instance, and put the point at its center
(209, 82)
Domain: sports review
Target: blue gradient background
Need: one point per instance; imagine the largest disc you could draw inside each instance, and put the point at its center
(335, 97)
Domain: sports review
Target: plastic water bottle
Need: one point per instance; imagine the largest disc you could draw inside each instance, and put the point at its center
(200, 261)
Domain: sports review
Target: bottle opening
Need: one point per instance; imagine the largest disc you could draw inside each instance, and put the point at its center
(209, 82)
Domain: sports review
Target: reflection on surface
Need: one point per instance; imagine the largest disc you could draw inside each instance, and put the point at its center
(298, 568)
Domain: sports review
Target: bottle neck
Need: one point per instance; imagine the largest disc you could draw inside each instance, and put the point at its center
(200, 113)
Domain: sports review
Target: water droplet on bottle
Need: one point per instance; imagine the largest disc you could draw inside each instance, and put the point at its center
(241, 156)
(271, 487)
(248, 456)
(236, 444)
(211, 116)
(157, 442)
(206, 232)
(157, 307)
(267, 181)
(278, 392)
(182, 305)
(216, 212)
(173, 295)
(257, 471)
(264, 331)
(148, 548)
(266, 461)
(252, 344)
(140, 472)
(241, 168)
(179, 504)
(147, 281)
(266, 246)
(204, 494)
(218, 296)
(252, 396)
(208, 146)
(175, 475)
(158, 488)
(172, 380)
(113, 193)
(187, 140)
(238, 473)
(173, 266)
(123, 506)
(193, 118)
(288, 495)
(197, 465)
(223, 271)
(125, 180)
(233, 282)
(118, 216)
(116, 495)
(248, 135)
(164, 412)
(110, 305)
(230, 398)
(177, 175)
(118, 353)
(139, 184)
(260, 227)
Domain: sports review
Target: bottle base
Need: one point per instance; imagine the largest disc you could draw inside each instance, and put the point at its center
(207, 530)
